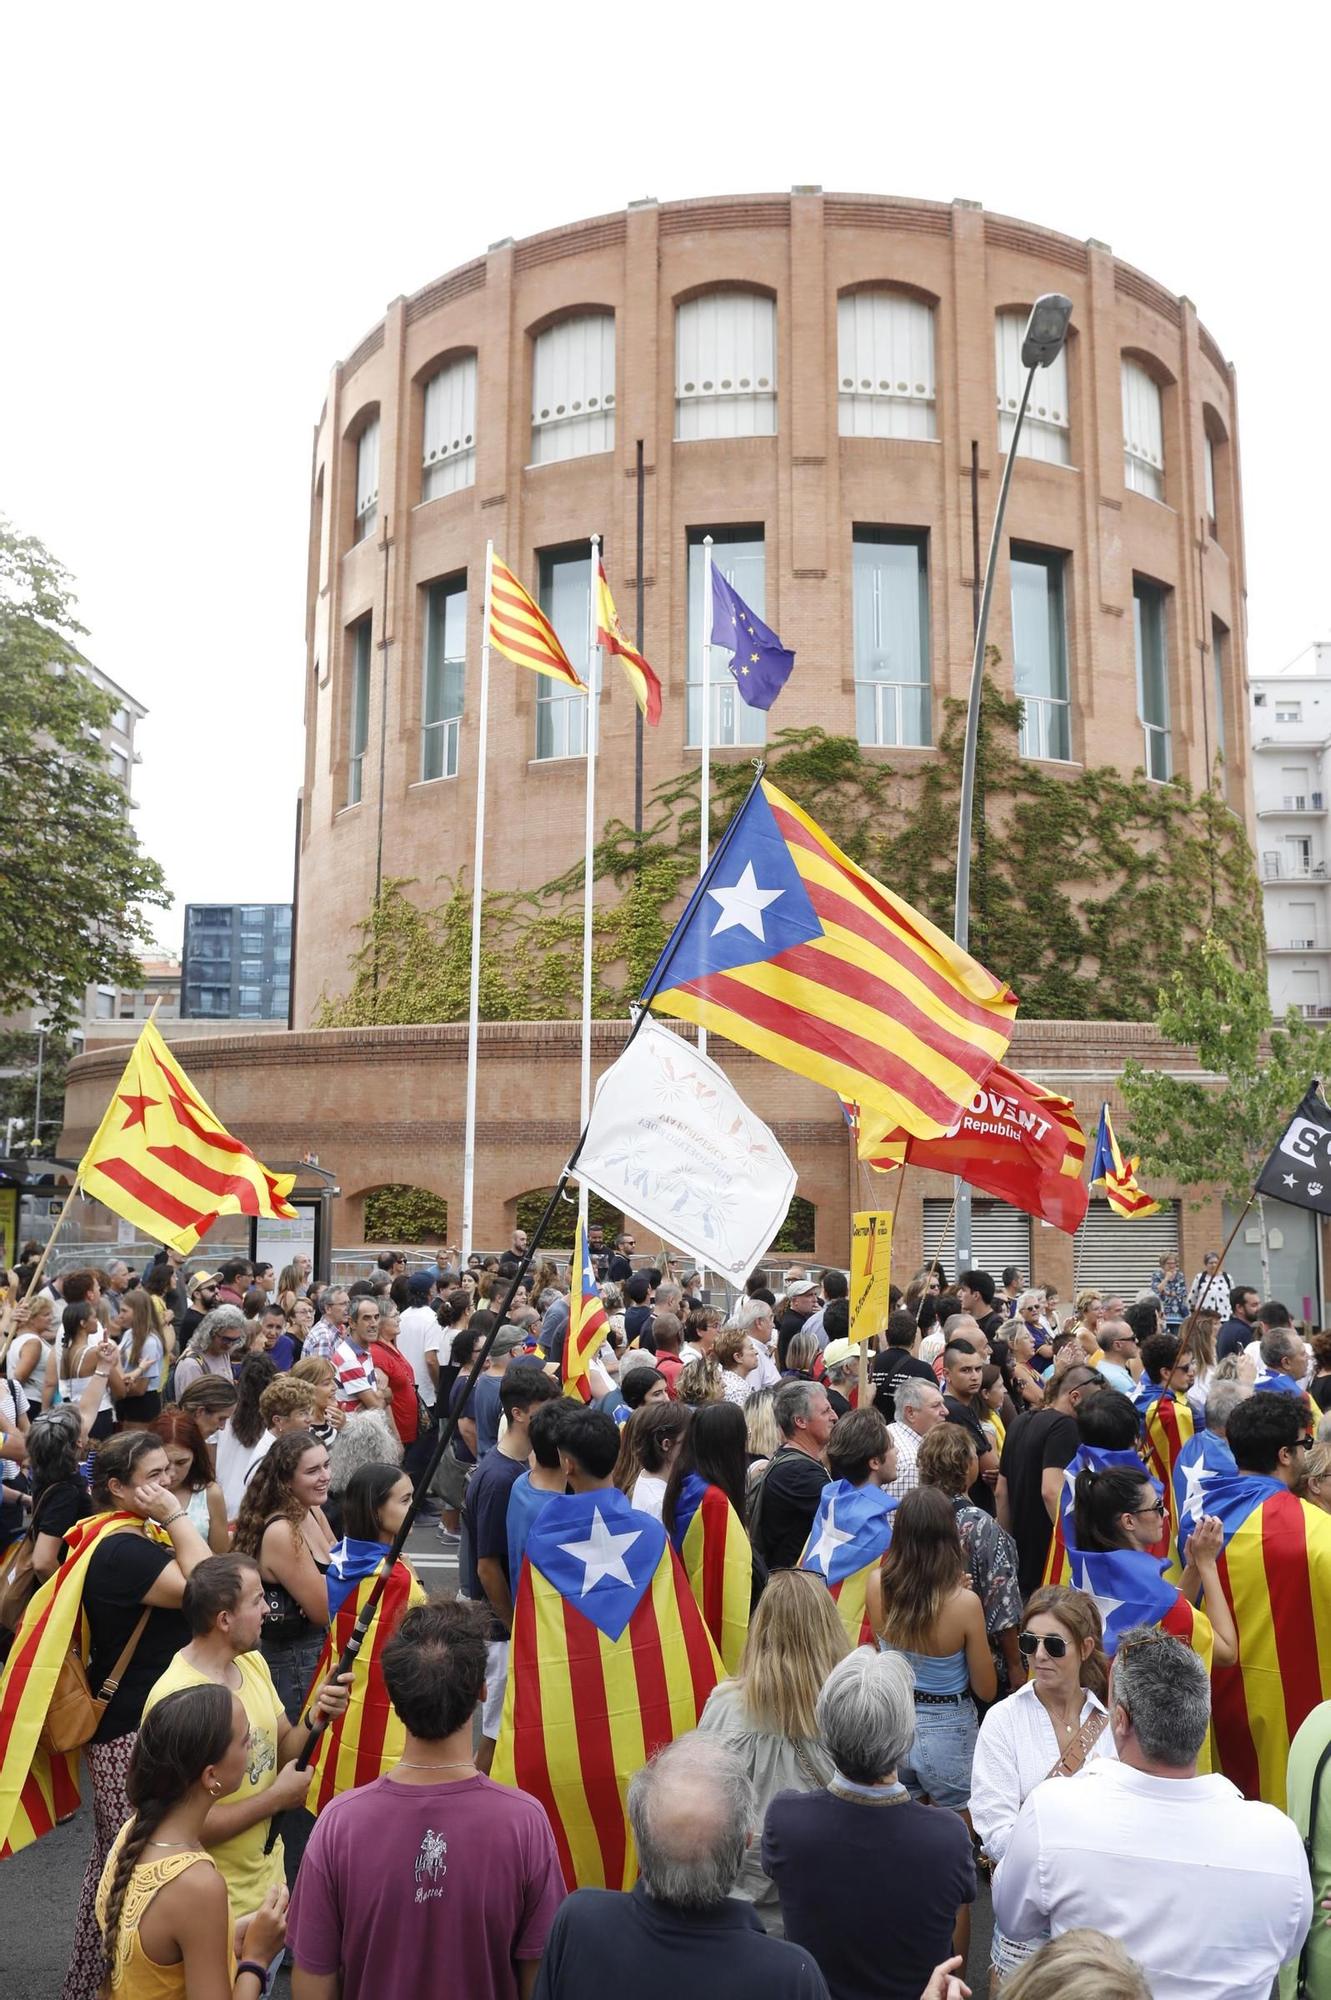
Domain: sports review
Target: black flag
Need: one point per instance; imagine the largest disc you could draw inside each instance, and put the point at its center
(1299, 1170)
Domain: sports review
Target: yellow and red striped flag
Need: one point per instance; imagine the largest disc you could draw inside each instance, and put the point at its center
(609, 1660)
(791, 950)
(643, 681)
(520, 630)
(365, 1742)
(165, 1162)
(711, 1542)
(586, 1319)
(39, 1788)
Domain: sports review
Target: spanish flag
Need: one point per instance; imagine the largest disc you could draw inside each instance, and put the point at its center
(789, 949)
(37, 1788)
(1276, 1574)
(520, 630)
(849, 1538)
(1167, 1425)
(368, 1739)
(1126, 1197)
(610, 634)
(586, 1321)
(609, 1659)
(711, 1542)
(165, 1162)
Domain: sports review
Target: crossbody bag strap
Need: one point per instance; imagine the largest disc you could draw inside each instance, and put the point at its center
(116, 1675)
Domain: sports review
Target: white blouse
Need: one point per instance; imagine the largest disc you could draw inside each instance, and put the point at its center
(1016, 1751)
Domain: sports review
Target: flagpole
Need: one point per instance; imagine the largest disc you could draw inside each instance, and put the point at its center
(705, 793)
(589, 853)
(477, 856)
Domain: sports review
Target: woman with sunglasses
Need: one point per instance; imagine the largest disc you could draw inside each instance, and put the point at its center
(1117, 1509)
(1048, 1729)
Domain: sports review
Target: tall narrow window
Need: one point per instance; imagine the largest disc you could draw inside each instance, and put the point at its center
(1208, 463)
(445, 674)
(725, 366)
(367, 480)
(740, 556)
(360, 710)
(1219, 675)
(891, 614)
(1040, 652)
(1046, 430)
(885, 366)
(1143, 433)
(449, 436)
(565, 598)
(1148, 623)
(573, 388)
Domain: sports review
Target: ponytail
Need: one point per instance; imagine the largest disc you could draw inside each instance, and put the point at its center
(1098, 1500)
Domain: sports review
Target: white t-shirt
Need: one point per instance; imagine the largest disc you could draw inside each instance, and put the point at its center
(235, 1463)
(648, 1493)
(415, 1329)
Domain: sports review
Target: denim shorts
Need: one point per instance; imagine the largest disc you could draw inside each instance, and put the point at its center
(938, 1763)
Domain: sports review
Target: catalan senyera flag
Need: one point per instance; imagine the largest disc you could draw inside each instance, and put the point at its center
(520, 630)
(711, 1542)
(789, 949)
(1015, 1139)
(586, 1320)
(1167, 1425)
(1276, 1574)
(1089, 1458)
(165, 1162)
(1125, 1194)
(360, 1745)
(849, 1538)
(609, 1659)
(37, 1788)
(611, 634)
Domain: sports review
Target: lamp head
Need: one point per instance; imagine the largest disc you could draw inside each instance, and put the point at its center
(1046, 330)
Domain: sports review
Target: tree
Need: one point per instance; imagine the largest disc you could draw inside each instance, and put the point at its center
(73, 878)
(1187, 1127)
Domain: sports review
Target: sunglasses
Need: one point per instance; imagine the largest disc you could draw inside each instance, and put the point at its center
(1030, 1643)
(1156, 1507)
(1303, 1444)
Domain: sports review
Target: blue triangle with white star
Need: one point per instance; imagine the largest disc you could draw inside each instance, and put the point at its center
(599, 1553)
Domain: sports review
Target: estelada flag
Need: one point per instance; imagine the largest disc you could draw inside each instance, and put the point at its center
(609, 1659)
(849, 1537)
(611, 634)
(38, 1789)
(1089, 1458)
(1015, 1139)
(1205, 1457)
(711, 1542)
(1276, 1574)
(1167, 1424)
(162, 1160)
(360, 1745)
(1126, 1195)
(790, 949)
(586, 1319)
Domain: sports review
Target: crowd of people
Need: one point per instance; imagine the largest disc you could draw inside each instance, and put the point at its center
(759, 1663)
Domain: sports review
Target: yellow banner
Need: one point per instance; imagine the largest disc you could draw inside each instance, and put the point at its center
(870, 1271)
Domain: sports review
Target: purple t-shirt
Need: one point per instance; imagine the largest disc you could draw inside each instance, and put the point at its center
(399, 1880)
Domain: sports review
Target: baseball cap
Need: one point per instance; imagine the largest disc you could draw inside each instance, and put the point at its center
(202, 1278)
(421, 1283)
(509, 1339)
(800, 1287)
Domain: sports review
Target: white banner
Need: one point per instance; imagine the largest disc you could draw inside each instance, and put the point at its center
(673, 1144)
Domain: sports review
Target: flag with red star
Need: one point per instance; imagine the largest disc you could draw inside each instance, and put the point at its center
(165, 1162)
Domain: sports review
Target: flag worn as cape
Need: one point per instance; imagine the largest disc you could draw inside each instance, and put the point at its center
(1015, 1139)
(38, 1789)
(368, 1739)
(586, 1319)
(1203, 1458)
(609, 1659)
(1167, 1424)
(850, 1534)
(711, 1542)
(1093, 1458)
(1276, 1573)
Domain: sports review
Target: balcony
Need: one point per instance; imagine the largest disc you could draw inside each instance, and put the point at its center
(1281, 868)
(1274, 945)
(1294, 802)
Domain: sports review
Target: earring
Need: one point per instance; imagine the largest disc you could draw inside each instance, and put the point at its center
(214, 1791)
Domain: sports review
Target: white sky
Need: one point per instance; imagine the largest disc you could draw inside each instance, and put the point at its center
(206, 208)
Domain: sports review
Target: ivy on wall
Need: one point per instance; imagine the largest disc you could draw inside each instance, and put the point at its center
(404, 1214)
(1087, 887)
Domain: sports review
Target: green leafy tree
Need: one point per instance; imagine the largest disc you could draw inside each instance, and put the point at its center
(18, 1088)
(73, 878)
(1216, 1129)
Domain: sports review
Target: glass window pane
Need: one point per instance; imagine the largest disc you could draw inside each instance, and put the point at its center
(565, 598)
(741, 558)
(890, 602)
(725, 366)
(1039, 651)
(1148, 613)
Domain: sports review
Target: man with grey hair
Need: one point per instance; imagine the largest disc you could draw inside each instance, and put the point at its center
(756, 1318)
(1283, 1359)
(678, 1931)
(920, 1409)
(820, 1848)
(1207, 1890)
(786, 1497)
(214, 1340)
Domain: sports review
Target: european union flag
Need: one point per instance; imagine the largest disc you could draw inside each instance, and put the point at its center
(759, 662)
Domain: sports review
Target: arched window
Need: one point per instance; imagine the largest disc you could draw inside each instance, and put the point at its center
(1046, 430)
(1143, 432)
(885, 365)
(725, 366)
(367, 480)
(573, 388)
(448, 446)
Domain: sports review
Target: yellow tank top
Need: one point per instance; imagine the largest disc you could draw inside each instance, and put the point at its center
(135, 1976)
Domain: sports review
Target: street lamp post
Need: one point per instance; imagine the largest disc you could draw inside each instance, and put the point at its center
(1046, 331)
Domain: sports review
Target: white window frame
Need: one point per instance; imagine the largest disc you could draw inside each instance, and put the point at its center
(1041, 714)
(561, 713)
(448, 429)
(888, 696)
(1157, 738)
(1143, 431)
(573, 388)
(734, 724)
(1046, 430)
(442, 732)
(358, 737)
(367, 481)
(1208, 471)
(725, 365)
(886, 378)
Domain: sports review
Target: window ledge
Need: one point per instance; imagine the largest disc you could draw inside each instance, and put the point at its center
(545, 464)
(343, 812)
(741, 749)
(424, 784)
(569, 757)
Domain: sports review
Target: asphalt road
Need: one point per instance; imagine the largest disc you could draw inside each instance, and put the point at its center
(39, 1888)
